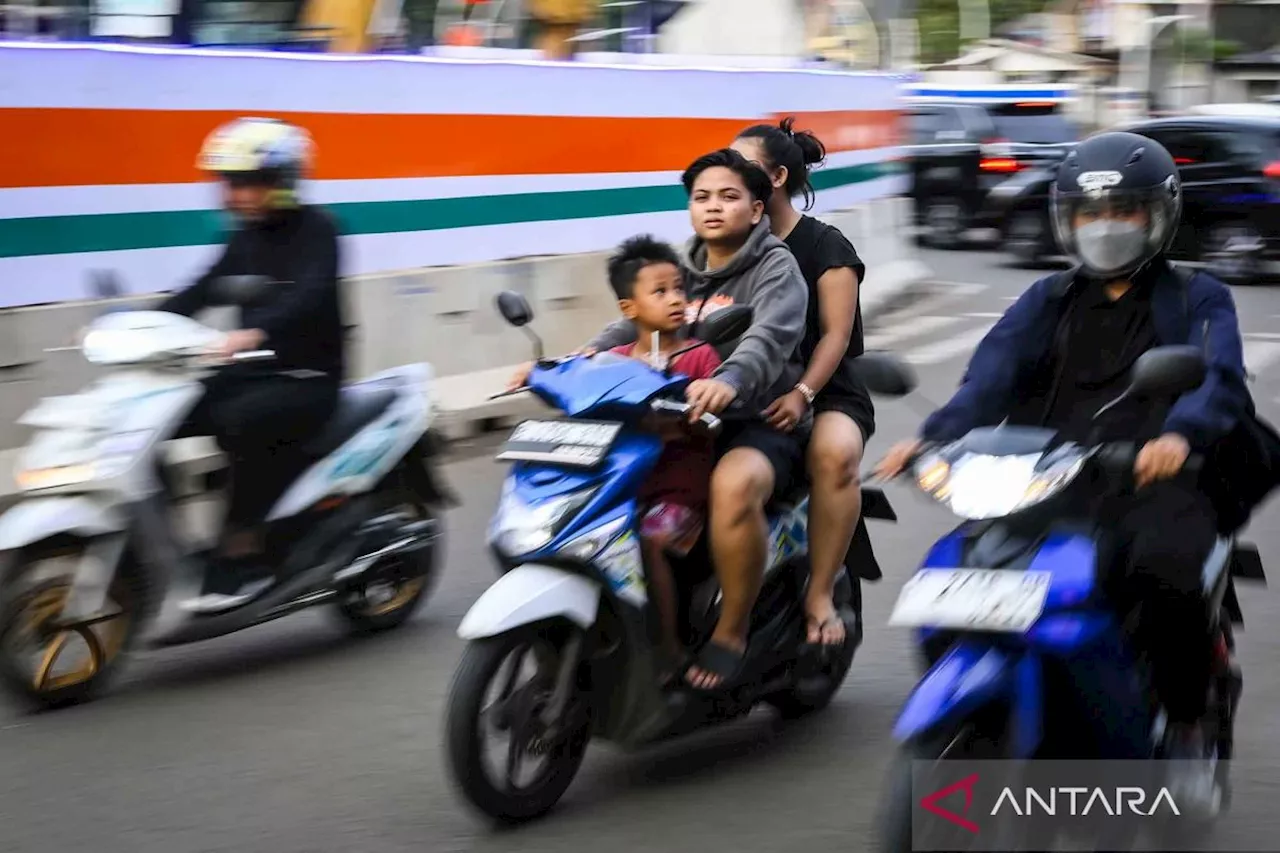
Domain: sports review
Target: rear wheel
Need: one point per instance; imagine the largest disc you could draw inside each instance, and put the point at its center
(395, 587)
(43, 662)
(944, 223)
(815, 690)
(1026, 236)
(504, 686)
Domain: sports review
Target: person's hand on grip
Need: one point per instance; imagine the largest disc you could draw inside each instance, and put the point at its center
(241, 340)
(708, 395)
(1161, 459)
(520, 377)
(895, 461)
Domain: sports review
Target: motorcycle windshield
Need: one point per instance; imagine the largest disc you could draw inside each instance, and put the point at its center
(605, 383)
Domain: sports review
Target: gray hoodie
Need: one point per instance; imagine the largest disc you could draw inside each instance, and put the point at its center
(765, 362)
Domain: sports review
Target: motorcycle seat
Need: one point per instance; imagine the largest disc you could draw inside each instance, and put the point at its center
(788, 500)
(358, 406)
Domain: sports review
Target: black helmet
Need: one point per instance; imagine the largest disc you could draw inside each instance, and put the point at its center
(1104, 187)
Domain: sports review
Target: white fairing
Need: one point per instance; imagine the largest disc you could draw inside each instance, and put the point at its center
(137, 337)
(369, 455)
(37, 520)
(529, 594)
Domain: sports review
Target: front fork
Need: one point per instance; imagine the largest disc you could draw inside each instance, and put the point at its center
(86, 603)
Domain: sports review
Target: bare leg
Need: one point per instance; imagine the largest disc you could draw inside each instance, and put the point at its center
(662, 584)
(740, 487)
(835, 501)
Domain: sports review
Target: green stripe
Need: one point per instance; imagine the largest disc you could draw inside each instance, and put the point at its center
(107, 232)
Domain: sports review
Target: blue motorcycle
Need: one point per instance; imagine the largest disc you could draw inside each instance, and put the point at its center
(564, 646)
(1026, 660)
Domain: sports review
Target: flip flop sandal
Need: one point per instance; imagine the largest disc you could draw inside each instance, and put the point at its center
(719, 661)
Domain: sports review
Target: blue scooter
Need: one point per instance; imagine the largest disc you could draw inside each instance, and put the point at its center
(564, 646)
(1026, 660)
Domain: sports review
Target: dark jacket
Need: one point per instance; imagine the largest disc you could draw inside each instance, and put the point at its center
(302, 318)
(1202, 314)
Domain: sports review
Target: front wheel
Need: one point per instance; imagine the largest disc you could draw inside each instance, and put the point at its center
(974, 739)
(504, 686)
(45, 663)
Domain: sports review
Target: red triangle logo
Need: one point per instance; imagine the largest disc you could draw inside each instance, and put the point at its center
(930, 803)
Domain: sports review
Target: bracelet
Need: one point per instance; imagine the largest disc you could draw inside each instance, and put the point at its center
(806, 392)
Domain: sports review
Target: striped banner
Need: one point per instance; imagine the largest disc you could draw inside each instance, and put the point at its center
(425, 162)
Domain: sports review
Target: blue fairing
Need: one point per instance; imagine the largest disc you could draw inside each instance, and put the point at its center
(968, 676)
(604, 385)
(980, 668)
(618, 479)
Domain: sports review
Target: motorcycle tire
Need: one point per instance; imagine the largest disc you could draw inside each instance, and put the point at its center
(466, 717)
(415, 584)
(27, 609)
(971, 739)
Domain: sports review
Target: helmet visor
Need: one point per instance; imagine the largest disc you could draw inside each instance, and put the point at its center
(1113, 231)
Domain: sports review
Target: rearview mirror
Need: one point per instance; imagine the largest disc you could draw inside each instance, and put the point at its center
(241, 290)
(514, 308)
(726, 325)
(885, 374)
(1167, 372)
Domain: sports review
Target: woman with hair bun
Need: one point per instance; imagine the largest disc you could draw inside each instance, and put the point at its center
(844, 418)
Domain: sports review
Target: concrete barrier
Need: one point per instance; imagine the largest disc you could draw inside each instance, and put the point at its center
(444, 316)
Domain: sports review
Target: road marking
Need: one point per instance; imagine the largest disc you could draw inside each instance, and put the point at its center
(907, 327)
(950, 348)
(1259, 355)
(943, 294)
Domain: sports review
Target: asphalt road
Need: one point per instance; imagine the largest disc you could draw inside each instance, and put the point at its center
(292, 738)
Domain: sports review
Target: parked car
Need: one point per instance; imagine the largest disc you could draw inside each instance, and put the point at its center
(1230, 169)
(961, 152)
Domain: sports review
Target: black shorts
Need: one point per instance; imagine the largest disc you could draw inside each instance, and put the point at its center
(857, 406)
(785, 451)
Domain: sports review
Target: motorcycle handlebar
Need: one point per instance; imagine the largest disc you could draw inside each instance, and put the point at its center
(252, 356)
(1117, 457)
(709, 421)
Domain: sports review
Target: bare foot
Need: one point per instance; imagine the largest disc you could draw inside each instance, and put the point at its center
(824, 625)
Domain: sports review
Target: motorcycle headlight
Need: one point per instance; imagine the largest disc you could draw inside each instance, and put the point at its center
(112, 456)
(519, 528)
(978, 486)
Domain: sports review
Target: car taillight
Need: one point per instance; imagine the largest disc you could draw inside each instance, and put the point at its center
(999, 164)
(1272, 170)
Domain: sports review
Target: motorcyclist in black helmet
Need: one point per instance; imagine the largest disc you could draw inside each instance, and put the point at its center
(1065, 348)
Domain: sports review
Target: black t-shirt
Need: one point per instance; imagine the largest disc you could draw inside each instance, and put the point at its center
(1098, 342)
(819, 247)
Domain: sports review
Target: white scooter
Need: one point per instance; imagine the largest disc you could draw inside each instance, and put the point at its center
(91, 562)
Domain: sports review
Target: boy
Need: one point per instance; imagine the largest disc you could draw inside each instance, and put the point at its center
(645, 275)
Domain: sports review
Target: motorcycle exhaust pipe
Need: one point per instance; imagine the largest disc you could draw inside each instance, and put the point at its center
(405, 539)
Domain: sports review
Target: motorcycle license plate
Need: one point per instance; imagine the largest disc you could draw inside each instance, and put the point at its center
(972, 600)
(574, 443)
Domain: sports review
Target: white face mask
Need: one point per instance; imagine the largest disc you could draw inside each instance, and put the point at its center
(1110, 245)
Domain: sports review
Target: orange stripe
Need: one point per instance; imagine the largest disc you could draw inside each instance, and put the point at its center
(79, 147)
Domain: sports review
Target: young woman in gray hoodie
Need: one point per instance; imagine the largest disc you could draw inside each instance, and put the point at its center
(735, 259)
